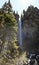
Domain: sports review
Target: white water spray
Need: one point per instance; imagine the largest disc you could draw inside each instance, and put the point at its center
(20, 32)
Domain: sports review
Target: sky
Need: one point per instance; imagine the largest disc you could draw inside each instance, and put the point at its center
(20, 5)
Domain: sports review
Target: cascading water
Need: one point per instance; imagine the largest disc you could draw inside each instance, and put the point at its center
(20, 32)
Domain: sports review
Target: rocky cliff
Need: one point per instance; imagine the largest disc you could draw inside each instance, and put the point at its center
(30, 24)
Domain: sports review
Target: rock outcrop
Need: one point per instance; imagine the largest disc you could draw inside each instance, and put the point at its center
(30, 24)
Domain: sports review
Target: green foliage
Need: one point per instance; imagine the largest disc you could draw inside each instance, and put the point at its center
(8, 29)
(9, 19)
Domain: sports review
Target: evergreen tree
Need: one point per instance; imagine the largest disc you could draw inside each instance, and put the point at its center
(30, 22)
(8, 37)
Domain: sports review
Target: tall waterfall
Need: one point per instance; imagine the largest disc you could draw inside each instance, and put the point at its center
(20, 32)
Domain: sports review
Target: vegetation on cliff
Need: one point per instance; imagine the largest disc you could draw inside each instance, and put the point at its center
(8, 37)
(30, 23)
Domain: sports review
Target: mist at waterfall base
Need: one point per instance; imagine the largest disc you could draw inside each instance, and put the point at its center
(20, 32)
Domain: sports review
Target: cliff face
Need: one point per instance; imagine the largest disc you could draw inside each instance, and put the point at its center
(30, 24)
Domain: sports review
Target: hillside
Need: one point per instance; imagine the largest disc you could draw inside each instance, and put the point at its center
(30, 28)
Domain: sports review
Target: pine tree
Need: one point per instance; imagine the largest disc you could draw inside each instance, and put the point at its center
(8, 37)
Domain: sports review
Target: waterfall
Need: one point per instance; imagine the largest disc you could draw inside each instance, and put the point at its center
(20, 32)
